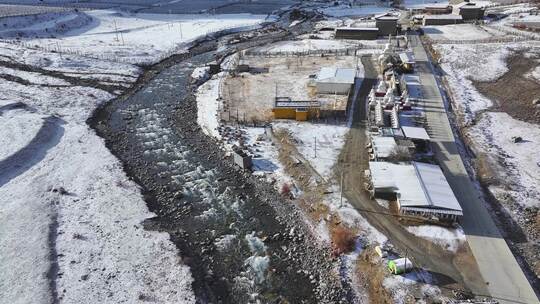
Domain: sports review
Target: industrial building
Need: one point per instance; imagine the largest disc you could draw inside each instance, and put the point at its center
(335, 80)
(471, 11)
(387, 25)
(357, 33)
(420, 189)
(442, 19)
(285, 108)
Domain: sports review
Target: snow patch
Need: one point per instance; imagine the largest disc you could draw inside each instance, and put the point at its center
(447, 238)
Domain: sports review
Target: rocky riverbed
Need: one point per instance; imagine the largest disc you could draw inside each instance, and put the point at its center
(242, 241)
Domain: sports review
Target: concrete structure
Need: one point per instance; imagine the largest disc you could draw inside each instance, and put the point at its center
(335, 81)
(357, 33)
(421, 189)
(470, 11)
(241, 159)
(441, 19)
(387, 25)
(285, 108)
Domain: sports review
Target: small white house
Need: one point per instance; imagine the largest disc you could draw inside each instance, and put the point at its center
(335, 81)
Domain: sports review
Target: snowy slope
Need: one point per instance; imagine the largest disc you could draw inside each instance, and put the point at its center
(359, 11)
(127, 37)
(71, 220)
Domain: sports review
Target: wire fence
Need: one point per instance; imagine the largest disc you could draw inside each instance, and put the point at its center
(480, 41)
(350, 51)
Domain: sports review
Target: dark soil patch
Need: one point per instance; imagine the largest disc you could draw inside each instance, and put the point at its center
(514, 92)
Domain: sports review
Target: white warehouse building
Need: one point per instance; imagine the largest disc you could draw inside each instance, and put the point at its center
(420, 189)
(335, 81)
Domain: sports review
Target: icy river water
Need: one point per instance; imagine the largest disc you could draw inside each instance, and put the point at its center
(242, 242)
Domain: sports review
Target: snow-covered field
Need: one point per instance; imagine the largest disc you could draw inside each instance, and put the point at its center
(521, 161)
(121, 36)
(356, 11)
(456, 32)
(305, 45)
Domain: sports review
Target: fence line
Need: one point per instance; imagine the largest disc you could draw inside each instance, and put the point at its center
(305, 53)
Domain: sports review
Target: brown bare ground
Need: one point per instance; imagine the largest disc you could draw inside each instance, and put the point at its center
(514, 92)
(371, 272)
(311, 201)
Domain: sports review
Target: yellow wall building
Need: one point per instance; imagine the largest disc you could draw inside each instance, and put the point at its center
(298, 110)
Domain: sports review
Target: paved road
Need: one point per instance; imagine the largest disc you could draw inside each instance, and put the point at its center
(503, 276)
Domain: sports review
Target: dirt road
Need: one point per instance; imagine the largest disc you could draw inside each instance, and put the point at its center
(447, 267)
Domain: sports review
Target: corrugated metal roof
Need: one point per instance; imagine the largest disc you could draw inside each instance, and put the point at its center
(418, 185)
(438, 190)
(336, 75)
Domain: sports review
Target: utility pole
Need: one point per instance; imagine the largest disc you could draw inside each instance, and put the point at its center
(181, 35)
(341, 192)
(315, 147)
(406, 257)
(116, 30)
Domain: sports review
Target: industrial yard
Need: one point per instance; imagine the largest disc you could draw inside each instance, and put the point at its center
(271, 151)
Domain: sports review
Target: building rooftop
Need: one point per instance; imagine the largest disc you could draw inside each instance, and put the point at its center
(407, 57)
(383, 146)
(446, 16)
(415, 133)
(389, 18)
(414, 88)
(417, 185)
(358, 29)
(336, 75)
(436, 5)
